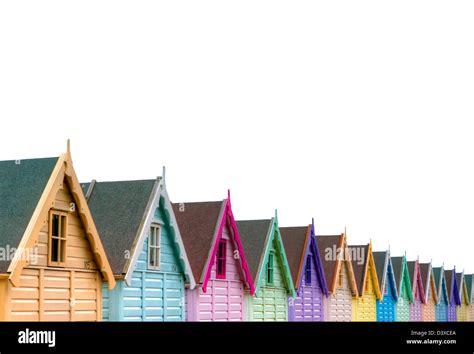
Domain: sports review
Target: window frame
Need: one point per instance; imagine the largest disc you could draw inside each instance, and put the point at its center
(154, 248)
(307, 273)
(271, 268)
(340, 277)
(61, 237)
(221, 259)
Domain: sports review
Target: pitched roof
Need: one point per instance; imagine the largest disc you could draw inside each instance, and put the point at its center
(397, 263)
(411, 270)
(21, 187)
(118, 209)
(424, 271)
(197, 223)
(459, 279)
(448, 275)
(359, 266)
(253, 234)
(329, 265)
(380, 259)
(294, 241)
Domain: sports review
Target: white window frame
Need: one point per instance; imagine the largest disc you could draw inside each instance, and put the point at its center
(154, 248)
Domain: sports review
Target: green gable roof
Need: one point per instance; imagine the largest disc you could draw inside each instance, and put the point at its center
(118, 209)
(21, 185)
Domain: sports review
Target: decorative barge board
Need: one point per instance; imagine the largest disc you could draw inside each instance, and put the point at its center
(364, 306)
(57, 271)
(462, 311)
(442, 292)
(269, 269)
(428, 310)
(386, 307)
(453, 294)
(417, 291)
(404, 290)
(217, 259)
(307, 274)
(143, 243)
(339, 276)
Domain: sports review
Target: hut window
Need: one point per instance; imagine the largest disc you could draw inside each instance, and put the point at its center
(154, 247)
(221, 259)
(57, 238)
(270, 268)
(367, 284)
(340, 278)
(308, 271)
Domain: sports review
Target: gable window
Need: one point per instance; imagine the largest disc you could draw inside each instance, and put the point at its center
(340, 278)
(57, 238)
(154, 247)
(270, 268)
(367, 284)
(308, 271)
(221, 259)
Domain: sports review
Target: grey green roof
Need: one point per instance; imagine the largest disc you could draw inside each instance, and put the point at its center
(468, 280)
(253, 235)
(21, 187)
(118, 209)
(294, 240)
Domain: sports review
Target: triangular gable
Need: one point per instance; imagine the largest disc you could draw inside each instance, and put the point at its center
(146, 196)
(428, 281)
(334, 254)
(385, 275)
(298, 242)
(463, 297)
(229, 220)
(452, 286)
(402, 276)
(416, 280)
(362, 270)
(440, 284)
(63, 171)
(272, 234)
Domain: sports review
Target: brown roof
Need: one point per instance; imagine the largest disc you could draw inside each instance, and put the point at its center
(294, 241)
(424, 269)
(358, 267)
(329, 265)
(197, 223)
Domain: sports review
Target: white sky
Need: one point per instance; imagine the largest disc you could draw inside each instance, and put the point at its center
(356, 113)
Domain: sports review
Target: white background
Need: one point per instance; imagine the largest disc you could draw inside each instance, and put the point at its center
(356, 113)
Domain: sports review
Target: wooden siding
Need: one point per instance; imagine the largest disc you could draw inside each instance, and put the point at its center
(270, 302)
(153, 295)
(79, 255)
(386, 309)
(56, 295)
(338, 306)
(308, 304)
(428, 311)
(364, 308)
(224, 298)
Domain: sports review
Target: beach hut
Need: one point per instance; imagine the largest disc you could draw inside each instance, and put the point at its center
(364, 306)
(428, 310)
(55, 263)
(146, 252)
(218, 262)
(307, 274)
(453, 294)
(386, 306)
(339, 276)
(404, 290)
(269, 269)
(462, 311)
(417, 291)
(442, 292)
